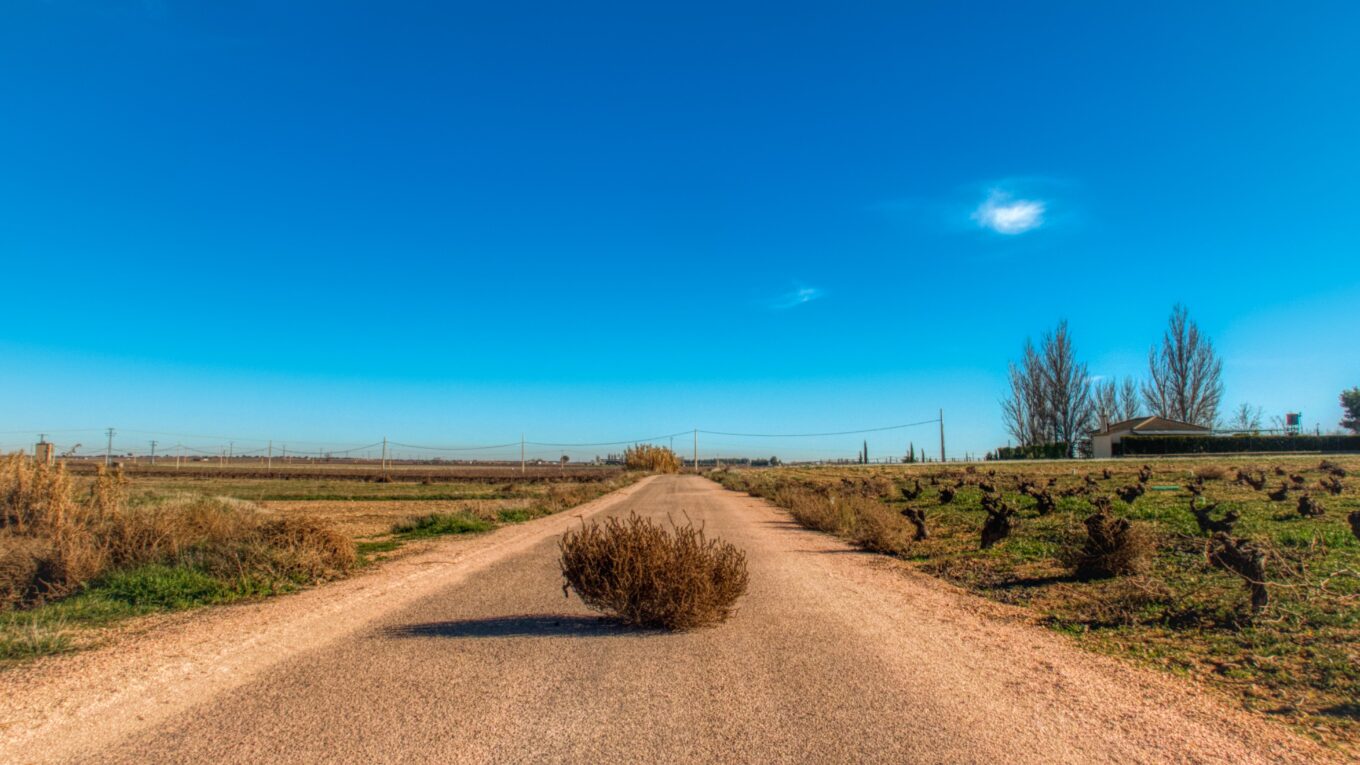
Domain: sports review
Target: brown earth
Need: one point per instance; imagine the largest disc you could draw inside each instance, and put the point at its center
(468, 652)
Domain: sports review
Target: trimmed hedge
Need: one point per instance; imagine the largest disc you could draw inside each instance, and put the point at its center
(1056, 451)
(1159, 445)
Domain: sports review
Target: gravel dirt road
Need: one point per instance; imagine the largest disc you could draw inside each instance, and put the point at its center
(470, 653)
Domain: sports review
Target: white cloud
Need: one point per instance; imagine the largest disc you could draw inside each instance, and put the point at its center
(1004, 214)
(796, 298)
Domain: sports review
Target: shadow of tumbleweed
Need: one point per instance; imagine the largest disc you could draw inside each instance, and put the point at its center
(525, 625)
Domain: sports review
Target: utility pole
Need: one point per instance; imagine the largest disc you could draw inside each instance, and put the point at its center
(153, 452)
(231, 448)
(269, 460)
(696, 450)
(522, 470)
(384, 458)
(179, 452)
(941, 435)
(108, 452)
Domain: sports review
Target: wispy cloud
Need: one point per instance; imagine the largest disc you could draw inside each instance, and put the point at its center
(1003, 213)
(795, 298)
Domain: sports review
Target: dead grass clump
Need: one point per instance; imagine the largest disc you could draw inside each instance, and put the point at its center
(1121, 602)
(302, 548)
(879, 486)
(1210, 472)
(657, 459)
(1113, 547)
(814, 510)
(876, 528)
(650, 576)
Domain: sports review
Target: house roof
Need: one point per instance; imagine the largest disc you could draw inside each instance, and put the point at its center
(1152, 425)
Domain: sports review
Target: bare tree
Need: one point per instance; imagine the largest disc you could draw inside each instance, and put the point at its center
(1185, 377)
(1067, 387)
(1050, 398)
(1130, 401)
(1106, 403)
(1025, 410)
(1114, 400)
(1246, 418)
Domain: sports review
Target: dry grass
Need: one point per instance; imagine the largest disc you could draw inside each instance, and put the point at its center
(52, 542)
(863, 520)
(1210, 472)
(650, 576)
(655, 459)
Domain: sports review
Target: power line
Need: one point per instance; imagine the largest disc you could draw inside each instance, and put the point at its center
(456, 448)
(615, 443)
(817, 435)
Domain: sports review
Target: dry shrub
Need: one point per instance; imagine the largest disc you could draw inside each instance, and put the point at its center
(1113, 547)
(20, 558)
(657, 459)
(651, 576)
(1210, 472)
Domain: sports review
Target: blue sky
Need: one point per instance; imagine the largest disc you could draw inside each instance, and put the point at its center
(453, 223)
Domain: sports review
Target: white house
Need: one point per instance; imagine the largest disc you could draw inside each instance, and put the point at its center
(1103, 441)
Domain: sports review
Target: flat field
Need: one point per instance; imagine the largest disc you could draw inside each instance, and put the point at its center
(1298, 659)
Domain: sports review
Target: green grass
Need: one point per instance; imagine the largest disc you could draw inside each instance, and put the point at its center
(439, 524)
(518, 515)
(1299, 661)
(60, 626)
(377, 546)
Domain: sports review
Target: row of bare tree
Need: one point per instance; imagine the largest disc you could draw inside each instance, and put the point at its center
(1054, 400)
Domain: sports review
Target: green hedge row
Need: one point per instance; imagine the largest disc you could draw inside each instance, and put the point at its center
(1155, 445)
(1036, 452)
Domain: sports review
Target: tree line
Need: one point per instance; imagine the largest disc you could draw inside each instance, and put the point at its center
(1052, 398)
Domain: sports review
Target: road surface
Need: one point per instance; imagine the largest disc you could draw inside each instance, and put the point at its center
(470, 653)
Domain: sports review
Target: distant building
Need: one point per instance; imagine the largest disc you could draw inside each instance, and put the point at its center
(44, 453)
(1103, 441)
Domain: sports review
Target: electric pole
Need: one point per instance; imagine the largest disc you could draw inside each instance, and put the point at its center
(108, 452)
(269, 460)
(153, 452)
(696, 450)
(941, 435)
(522, 470)
(384, 458)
